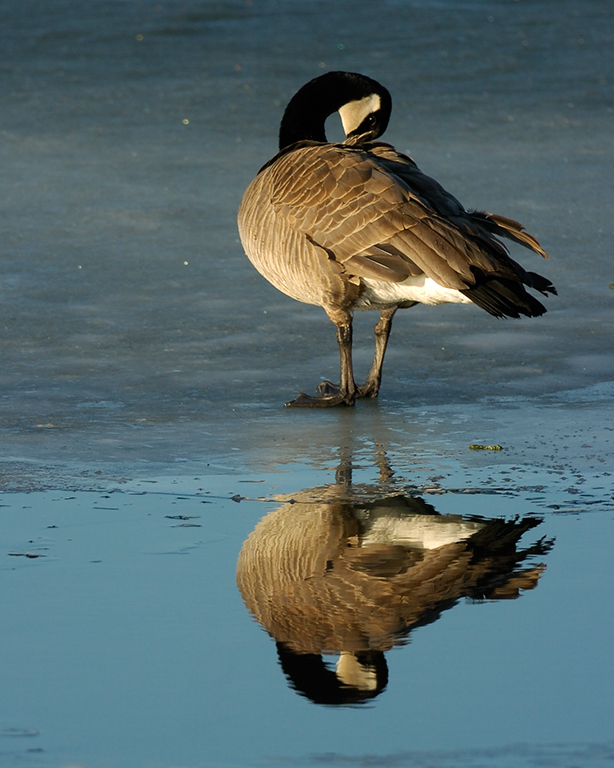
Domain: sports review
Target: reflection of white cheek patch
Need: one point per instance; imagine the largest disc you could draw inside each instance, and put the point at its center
(354, 113)
(351, 672)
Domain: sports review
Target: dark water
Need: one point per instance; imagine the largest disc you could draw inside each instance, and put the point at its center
(144, 364)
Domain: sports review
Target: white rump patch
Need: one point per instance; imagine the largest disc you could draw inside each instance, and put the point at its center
(353, 113)
(380, 293)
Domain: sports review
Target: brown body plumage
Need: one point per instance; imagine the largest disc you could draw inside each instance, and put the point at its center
(357, 226)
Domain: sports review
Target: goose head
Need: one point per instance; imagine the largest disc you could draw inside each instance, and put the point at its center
(363, 105)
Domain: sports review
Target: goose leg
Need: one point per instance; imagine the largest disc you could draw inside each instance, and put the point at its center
(331, 394)
(382, 331)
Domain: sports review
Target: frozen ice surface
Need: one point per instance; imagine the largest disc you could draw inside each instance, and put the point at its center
(138, 344)
(133, 328)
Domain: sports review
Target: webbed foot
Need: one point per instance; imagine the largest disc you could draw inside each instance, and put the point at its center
(368, 389)
(327, 388)
(329, 396)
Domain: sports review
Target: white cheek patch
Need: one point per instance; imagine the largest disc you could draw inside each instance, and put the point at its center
(353, 113)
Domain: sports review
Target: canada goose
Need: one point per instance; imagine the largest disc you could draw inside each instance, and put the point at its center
(357, 226)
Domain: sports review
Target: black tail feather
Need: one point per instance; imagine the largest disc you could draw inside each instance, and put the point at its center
(541, 284)
(502, 297)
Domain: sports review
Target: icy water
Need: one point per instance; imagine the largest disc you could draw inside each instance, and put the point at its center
(190, 572)
(126, 642)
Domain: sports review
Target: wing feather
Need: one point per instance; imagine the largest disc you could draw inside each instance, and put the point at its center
(372, 213)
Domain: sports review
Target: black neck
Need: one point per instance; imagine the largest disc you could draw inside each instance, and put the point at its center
(308, 109)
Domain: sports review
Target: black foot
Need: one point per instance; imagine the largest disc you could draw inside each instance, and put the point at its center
(330, 395)
(326, 388)
(368, 390)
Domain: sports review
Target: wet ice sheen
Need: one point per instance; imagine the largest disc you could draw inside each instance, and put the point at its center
(144, 364)
(108, 193)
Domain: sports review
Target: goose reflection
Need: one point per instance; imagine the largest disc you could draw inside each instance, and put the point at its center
(353, 569)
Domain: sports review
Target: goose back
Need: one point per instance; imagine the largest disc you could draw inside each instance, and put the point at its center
(336, 224)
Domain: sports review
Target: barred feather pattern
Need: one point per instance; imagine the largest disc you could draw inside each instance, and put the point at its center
(359, 226)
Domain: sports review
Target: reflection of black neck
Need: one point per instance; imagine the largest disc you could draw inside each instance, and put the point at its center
(310, 677)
